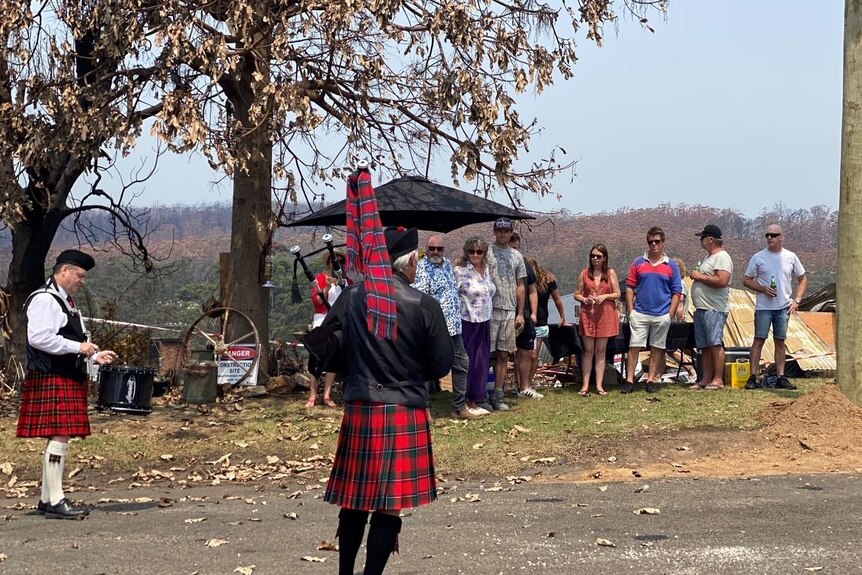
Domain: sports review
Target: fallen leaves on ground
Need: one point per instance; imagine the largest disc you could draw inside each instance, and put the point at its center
(327, 546)
(215, 542)
(313, 559)
(605, 542)
(245, 570)
(647, 511)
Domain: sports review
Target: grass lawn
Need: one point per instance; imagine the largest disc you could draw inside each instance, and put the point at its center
(563, 425)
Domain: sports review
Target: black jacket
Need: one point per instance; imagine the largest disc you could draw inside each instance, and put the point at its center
(400, 371)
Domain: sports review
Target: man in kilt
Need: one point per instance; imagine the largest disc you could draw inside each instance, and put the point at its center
(383, 462)
(54, 399)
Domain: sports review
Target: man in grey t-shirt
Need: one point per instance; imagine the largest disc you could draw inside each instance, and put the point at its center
(509, 274)
(709, 294)
(770, 275)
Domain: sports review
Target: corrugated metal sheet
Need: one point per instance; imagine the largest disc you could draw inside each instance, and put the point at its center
(802, 343)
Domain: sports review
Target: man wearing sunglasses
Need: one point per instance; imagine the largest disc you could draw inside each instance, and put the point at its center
(435, 277)
(653, 291)
(770, 275)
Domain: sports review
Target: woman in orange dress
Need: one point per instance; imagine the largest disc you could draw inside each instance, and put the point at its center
(597, 290)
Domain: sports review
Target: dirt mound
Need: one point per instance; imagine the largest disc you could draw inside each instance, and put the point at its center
(816, 433)
(823, 420)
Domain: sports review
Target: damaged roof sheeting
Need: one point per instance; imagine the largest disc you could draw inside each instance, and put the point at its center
(803, 344)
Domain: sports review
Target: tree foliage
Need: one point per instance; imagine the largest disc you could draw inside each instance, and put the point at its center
(290, 89)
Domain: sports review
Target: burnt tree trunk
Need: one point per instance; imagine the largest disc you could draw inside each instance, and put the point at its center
(31, 240)
(251, 225)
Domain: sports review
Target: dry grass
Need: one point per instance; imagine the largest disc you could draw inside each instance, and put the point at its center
(564, 426)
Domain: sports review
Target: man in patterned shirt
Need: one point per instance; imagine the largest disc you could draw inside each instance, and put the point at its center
(435, 277)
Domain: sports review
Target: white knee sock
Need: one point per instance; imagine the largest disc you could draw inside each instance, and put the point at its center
(55, 459)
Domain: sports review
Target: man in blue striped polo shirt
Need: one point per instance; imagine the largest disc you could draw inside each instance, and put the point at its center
(653, 291)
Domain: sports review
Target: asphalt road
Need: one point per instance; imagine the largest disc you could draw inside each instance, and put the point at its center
(777, 525)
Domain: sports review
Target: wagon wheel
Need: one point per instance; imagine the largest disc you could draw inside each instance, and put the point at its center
(217, 332)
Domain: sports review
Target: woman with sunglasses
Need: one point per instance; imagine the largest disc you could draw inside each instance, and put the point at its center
(597, 290)
(476, 289)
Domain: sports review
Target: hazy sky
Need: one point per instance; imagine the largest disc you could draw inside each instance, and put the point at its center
(730, 104)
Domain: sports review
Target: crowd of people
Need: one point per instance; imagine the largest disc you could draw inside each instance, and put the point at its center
(501, 299)
(496, 304)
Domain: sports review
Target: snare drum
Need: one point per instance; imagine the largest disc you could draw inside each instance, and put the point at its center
(125, 389)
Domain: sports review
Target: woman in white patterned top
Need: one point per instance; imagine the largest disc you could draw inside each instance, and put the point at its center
(476, 290)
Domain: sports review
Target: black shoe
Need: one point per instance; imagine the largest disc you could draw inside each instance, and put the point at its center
(65, 510)
(627, 387)
(784, 383)
(41, 507)
(651, 387)
(752, 383)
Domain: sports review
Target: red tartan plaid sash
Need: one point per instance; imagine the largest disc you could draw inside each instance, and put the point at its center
(367, 254)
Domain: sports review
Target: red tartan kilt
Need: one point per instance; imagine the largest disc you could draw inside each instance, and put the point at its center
(383, 459)
(52, 405)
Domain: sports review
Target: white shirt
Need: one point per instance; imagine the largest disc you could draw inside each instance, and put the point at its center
(45, 318)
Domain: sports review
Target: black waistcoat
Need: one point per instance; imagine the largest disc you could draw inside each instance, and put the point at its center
(66, 365)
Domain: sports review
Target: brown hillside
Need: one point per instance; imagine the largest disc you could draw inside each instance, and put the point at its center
(560, 241)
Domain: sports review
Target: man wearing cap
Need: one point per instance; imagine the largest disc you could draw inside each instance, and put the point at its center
(710, 291)
(54, 398)
(434, 276)
(770, 274)
(383, 461)
(510, 275)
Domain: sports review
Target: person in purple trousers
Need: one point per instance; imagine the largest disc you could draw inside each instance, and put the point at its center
(476, 290)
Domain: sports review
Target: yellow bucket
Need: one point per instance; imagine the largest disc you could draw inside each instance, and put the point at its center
(736, 373)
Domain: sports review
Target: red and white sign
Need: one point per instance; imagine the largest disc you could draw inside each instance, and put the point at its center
(231, 370)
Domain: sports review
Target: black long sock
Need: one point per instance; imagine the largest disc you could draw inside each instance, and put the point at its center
(382, 541)
(351, 530)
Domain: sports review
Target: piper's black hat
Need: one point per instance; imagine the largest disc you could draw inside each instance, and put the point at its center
(400, 241)
(76, 258)
(710, 231)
